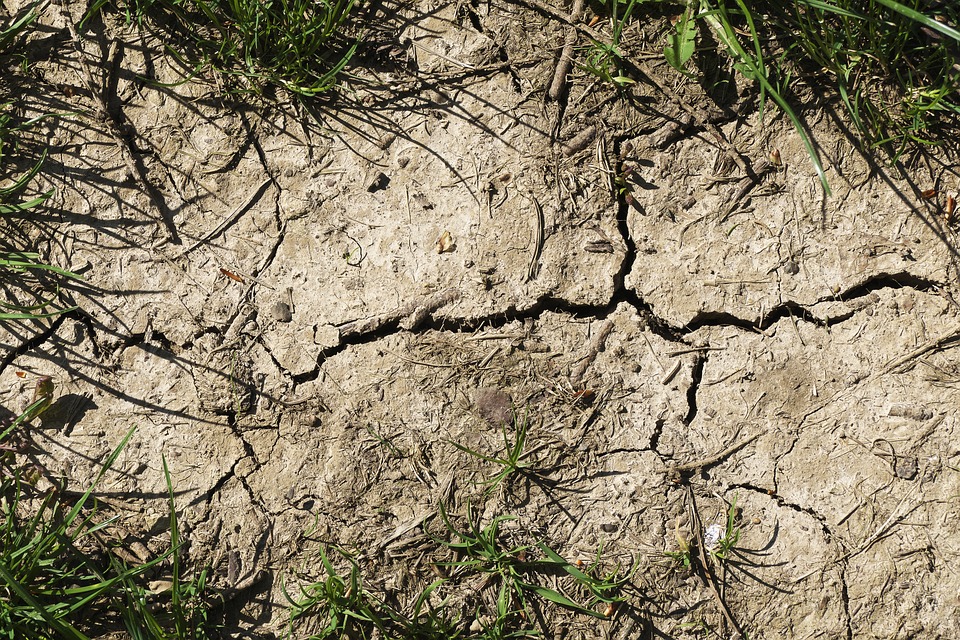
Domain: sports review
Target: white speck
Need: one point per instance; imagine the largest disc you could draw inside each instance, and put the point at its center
(712, 536)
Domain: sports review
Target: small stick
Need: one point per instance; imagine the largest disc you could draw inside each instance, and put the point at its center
(926, 348)
(681, 352)
(559, 82)
(596, 345)
(495, 336)
(672, 373)
(711, 580)
(410, 315)
(580, 141)
(715, 458)
(232, 218)
(744, 186)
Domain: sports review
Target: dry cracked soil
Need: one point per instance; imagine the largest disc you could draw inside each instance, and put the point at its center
(304, 311)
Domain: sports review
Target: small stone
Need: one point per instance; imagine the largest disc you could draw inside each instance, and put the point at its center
(281, 312)
(913, 412)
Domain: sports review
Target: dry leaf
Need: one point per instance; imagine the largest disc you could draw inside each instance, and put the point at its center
(445, 243)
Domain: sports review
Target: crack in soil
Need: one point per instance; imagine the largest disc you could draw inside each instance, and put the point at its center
(899, 280)
(781, 501)
(655, 437)
(845, 601)
(207, 496)
(696, 377)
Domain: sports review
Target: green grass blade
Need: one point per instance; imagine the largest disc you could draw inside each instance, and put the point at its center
(821, 5)
(8, 34)
(78, 507)
(20, 207)
(28, 260)
(726, 33)
(23, 417)
(175, 604)
(559, 599)
(65, 630)
(919, 17)
(477, 454)
(36, 316)
(20, 183)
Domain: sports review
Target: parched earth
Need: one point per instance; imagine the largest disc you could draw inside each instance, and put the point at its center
(302, 312)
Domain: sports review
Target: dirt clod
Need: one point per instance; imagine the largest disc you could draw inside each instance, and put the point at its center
(494, 405)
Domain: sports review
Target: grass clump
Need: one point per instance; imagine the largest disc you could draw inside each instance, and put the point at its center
(513, 461)
(58, 575)
(893, 64)
(519, 573)
(342, 607)
(298, 45)
(491, 588)
(604, 60)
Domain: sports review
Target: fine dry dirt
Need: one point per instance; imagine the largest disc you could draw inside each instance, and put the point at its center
(271, 298)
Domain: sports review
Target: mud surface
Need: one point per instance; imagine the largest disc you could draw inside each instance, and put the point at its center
(303, 312)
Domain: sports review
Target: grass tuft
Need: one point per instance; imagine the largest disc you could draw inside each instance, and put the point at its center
(298, 45)
(58, 575)
(896, 66)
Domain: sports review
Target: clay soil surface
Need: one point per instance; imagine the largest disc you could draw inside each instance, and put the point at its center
(304, 311)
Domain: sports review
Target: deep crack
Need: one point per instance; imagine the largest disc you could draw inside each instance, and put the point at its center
(696, 377)
(798, 311)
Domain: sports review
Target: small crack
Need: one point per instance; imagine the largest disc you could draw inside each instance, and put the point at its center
(495, 321)
(845, 600)
(899, 280)
(657, 433)
(207, 496)
(545, 304)
(90, 329)
(281, 235)
(781, 501)
(263, 343)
